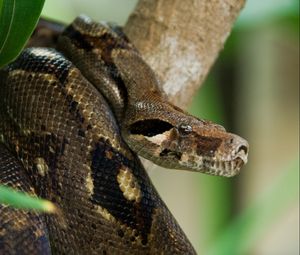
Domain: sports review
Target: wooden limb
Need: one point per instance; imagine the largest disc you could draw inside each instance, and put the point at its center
(181, 40)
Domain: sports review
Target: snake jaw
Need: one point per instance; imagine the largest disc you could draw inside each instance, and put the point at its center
(228, 158)
(212, 166)
(216, 152)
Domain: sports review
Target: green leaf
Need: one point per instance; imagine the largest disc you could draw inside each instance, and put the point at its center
(18, 19)
(22, 200)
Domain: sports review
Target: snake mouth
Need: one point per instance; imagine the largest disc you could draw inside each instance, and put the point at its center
(229, 158)
(228, 166)
(224, 168)
(214, 166)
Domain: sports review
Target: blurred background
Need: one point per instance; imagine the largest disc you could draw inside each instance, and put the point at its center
(253, 90)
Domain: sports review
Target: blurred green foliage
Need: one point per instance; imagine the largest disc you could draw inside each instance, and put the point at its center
(256, 12)
(249, 226)
(226, 234)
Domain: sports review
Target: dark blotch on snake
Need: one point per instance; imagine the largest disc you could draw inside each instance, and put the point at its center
(108, 195)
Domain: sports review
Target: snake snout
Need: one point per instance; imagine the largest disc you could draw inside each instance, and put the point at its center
(241, 148)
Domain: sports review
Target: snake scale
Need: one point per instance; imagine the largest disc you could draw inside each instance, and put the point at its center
(72, 121)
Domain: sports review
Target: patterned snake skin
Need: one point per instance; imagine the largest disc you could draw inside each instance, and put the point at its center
(61, 141)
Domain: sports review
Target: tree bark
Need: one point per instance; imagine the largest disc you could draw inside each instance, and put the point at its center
(181, 40)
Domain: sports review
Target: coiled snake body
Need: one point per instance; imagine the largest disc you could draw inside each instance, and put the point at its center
(71, 123)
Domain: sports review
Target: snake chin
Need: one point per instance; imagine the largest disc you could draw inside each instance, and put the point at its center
(213, 166)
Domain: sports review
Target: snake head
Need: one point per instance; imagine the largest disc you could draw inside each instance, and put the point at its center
(174, 139)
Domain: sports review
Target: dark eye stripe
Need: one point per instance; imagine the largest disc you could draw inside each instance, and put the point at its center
(171, 154)
(150, 127)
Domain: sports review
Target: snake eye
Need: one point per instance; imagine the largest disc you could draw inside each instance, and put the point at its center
(150, 127)
(185, 129)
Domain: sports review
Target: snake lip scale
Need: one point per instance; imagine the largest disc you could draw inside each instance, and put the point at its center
(73, 120)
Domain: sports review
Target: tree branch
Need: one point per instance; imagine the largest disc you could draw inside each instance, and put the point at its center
(181, 40)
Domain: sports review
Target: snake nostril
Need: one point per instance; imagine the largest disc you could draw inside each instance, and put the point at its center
(243, 148)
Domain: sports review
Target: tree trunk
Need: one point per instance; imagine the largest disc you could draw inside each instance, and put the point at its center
(180, 40)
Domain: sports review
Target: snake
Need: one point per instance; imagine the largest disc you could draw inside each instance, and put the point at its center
(74, 121)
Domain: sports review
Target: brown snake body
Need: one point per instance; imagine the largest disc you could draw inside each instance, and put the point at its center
(60, 119)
